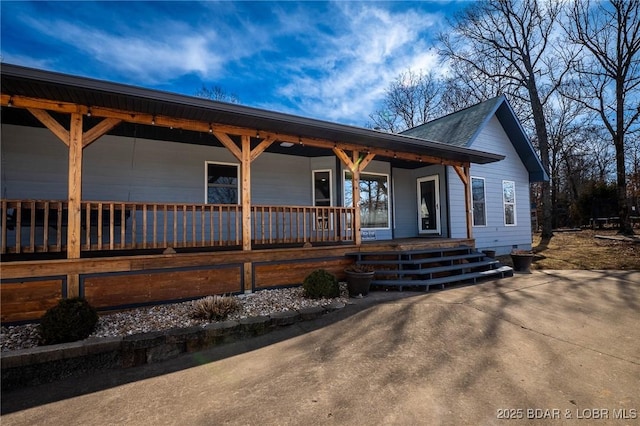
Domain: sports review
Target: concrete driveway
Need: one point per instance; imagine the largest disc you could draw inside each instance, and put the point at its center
(564, 345)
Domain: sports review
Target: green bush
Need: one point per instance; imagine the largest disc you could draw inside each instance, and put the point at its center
(321, 283)
(215, 307)
(70, 320)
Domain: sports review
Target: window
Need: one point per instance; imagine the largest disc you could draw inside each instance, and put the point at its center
(222, 183)
(322, 194)
(374, 199)
(509, 201)
(479, 202)
(322, 197)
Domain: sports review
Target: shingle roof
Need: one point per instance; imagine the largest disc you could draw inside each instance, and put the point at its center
(461, 128)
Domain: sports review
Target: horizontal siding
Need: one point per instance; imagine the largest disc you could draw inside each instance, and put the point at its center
(405, 197)
(496, 235)
(34, 166)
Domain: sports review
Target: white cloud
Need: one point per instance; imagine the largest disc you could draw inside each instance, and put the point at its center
(326, 60)
(353, 67)
(146, 57)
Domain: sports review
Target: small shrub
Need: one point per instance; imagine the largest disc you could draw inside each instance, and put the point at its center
(321, 283)
(215, 307)
(70, 320)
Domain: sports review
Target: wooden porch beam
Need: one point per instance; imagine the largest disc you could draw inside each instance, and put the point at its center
(230, 144)
(461, 174)
(365, 162)
(345, 159)
(56, 106)
(51, 124)
(99, 130)
(255, 153)
(199, 126)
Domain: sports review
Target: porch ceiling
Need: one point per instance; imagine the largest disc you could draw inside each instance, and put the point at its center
(33, 83)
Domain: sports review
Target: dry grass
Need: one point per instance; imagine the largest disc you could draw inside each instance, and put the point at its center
(581, 250)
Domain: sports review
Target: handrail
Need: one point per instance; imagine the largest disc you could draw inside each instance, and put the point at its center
(36, 226)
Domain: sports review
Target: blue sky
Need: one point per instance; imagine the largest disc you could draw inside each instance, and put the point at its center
(330, 61)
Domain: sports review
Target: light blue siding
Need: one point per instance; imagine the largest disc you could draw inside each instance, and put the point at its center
(406, 186)
(495, 235)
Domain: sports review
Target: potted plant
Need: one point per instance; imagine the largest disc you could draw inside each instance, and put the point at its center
(359, 279)
(522, 260)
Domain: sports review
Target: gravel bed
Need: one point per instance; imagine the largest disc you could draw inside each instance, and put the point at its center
(177, 315)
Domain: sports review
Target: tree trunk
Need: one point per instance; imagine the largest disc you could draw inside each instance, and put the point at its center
(543, 144)
(621, 174)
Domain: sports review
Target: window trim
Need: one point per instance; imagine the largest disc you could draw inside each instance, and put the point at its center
(313, 186)
(484, 190)
(504, 205)
(388, 177)
(206, 179)
(327, 221)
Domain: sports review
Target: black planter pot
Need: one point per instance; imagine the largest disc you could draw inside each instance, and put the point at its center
(490, 253)
(358, 283)
(522, 262)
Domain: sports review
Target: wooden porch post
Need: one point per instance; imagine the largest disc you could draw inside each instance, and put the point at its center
(246, 209)
(464, 173)
(467, 201)
(356, 165)
(76, 141)
(246, 193)
(75, 199)
(355, 184)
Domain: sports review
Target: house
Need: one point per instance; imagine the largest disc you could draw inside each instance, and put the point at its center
(129, 196)
(500, 191)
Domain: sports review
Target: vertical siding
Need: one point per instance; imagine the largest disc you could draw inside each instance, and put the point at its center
(495, 235)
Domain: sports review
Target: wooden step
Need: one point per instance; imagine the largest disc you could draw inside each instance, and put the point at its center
(420, 261)
(408, 253)
(438, 269)
(501, 272)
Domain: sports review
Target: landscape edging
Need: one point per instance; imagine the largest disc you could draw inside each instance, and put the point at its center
(43, 364)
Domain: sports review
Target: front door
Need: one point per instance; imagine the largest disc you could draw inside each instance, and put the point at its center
(429, 205)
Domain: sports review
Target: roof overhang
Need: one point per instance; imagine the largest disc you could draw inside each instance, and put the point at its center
(20, 81)
(521, 142)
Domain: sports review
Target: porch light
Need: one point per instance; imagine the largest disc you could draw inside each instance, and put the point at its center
(286, 144)
(153, 120)
(257, 134)
(210, 128)
(10, 103)
(88, 111)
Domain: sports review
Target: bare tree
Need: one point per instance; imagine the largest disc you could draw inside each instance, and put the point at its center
(608, 75)
(509, 40)
(413, 98)
(217, 93)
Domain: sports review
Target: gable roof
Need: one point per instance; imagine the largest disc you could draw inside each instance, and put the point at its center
(29, 82)
(461, 128)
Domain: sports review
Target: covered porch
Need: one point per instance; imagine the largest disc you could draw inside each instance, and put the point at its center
(123, 253)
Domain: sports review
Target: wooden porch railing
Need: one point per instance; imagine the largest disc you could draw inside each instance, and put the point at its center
(300, 224)
(38, 226)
